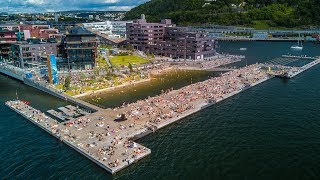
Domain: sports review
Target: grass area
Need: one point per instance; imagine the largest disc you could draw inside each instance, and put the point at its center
(101, 62)
(125, 60)
(100, 82)
(105, 47)
(265, 25)
(59, 86)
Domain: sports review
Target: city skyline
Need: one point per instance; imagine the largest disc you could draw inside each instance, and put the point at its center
(39, 6)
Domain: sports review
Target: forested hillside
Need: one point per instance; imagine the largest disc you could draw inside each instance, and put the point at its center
(253, 13)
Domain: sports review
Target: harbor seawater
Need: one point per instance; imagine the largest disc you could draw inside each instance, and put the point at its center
(271, 131)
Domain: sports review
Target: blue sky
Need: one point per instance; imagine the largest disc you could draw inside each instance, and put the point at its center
(14, 6)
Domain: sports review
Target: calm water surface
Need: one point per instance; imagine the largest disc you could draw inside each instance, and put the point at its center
(271, 131)
(173, 79)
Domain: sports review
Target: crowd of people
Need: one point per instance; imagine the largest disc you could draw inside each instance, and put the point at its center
(34, 114)
(208, 63)
(173, 103)
(84, 81)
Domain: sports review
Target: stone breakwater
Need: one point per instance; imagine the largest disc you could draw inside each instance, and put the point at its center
(109, 143)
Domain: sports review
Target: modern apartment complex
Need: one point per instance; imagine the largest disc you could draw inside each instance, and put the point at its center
(32, 53)
(80, 47)
(181, 43)
(165, 39)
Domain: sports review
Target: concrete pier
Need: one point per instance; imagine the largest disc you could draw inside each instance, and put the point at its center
(124, 153)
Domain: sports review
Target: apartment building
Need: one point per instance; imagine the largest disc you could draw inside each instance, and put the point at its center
(32, 53)
(7, 38)
(166, 39)
(80, 46)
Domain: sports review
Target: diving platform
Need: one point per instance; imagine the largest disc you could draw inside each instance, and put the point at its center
(78, 110)
(56, 114)
(69, 112)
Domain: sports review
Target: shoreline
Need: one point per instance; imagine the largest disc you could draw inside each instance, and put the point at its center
(93, 92)
(156, 73)
(127, 84)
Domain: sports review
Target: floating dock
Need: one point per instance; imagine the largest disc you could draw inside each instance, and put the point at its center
(298, 70)
(300, 57)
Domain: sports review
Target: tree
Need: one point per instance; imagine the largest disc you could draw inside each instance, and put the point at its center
(96, 71)
(129, 47)
(67, 82)
(275, 13)
(82, 76)
(130, 67)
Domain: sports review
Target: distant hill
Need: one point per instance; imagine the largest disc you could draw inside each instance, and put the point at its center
(260, 14)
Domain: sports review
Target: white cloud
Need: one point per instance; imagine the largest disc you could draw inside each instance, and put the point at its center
(36, 2)
(61, 5)
(111, 1)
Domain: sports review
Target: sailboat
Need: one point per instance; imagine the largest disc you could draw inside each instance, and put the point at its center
(299, 46)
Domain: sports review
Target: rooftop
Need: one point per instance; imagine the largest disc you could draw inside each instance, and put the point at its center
(79, 31)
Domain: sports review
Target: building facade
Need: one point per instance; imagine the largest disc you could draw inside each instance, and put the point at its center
(115, 28)
(180, 43)
(29, 54)
(7, 38)
(165, 39)
(39, 31)
(80, 50)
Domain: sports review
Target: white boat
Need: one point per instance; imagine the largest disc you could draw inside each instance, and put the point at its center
(243, 49)
(299, 46)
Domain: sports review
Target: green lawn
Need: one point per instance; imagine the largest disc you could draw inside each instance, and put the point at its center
(125, 60)
(101, 62)
(264, 25)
